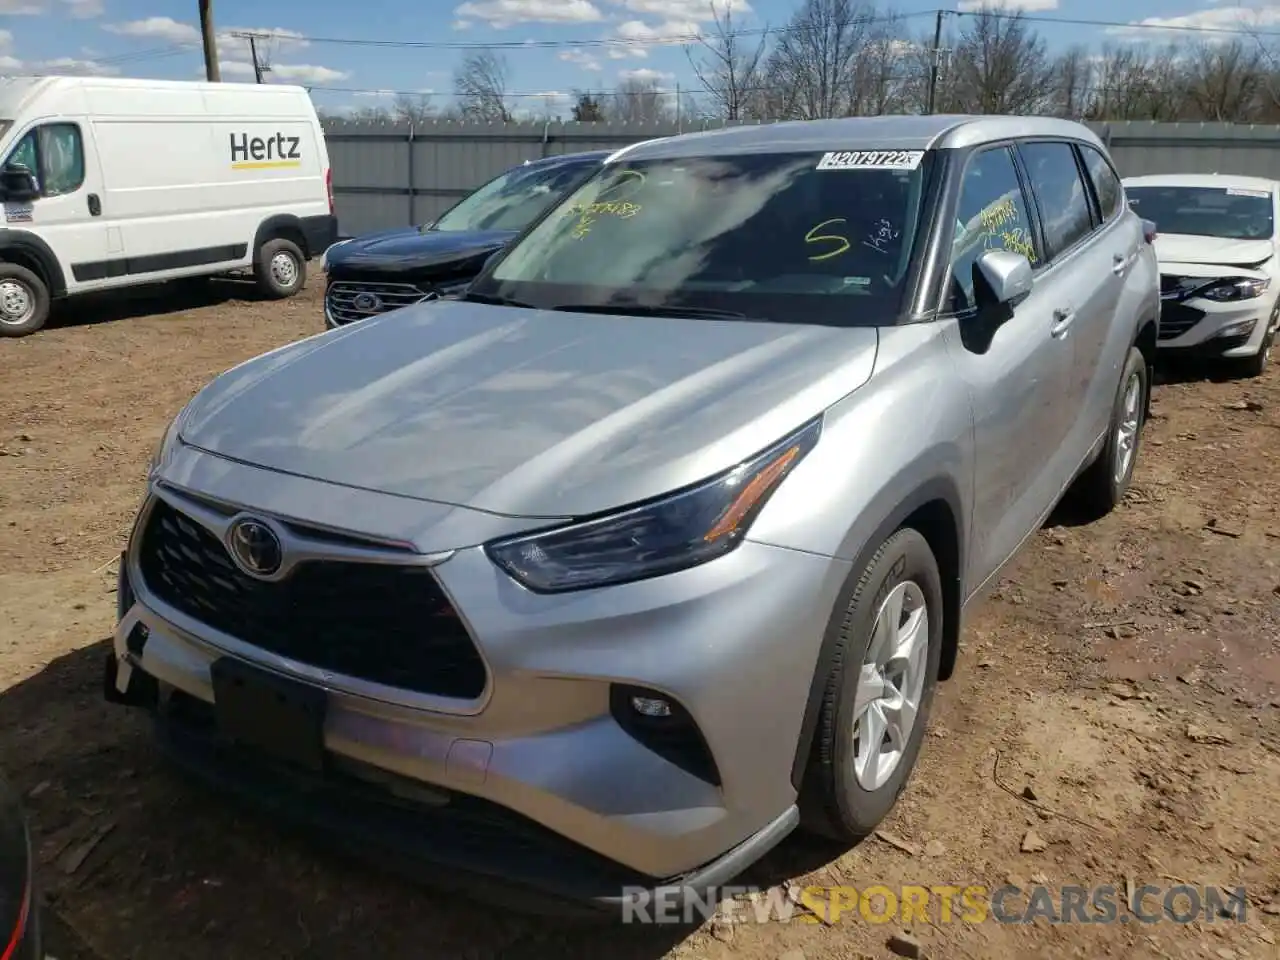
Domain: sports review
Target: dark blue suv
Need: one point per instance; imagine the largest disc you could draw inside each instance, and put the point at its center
(390, 269)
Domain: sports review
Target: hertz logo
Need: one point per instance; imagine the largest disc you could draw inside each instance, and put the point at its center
(257, 153)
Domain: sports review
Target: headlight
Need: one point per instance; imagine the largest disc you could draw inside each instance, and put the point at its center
(678, 531)
(168, 442)
(448, 290)
(324, 257)
(1235, 288)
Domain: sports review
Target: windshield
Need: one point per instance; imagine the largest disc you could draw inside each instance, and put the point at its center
(1226, 213)
(790, 237)
(513, 200)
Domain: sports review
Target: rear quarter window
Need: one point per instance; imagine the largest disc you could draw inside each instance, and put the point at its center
(1106, 183)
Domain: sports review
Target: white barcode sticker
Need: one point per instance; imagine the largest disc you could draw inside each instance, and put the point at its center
(871, 160)
(1240, 192)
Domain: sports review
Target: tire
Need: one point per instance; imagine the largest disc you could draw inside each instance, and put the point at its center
(1104, 483)
(280, 269)
(24, 301)
(1256, 365)
(842, 798)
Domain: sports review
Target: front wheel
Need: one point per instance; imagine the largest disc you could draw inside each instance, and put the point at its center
(24, 301)
(1256, 365)
(280, 269)
(876, 703)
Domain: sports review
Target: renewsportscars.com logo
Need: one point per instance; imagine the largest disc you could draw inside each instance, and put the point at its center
(265, 153)
(941, 904)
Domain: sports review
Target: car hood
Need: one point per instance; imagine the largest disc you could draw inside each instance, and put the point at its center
(526, 412)
(413, 249)
(1181, 248)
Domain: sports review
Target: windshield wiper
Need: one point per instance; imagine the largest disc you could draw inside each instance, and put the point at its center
(495, 301)
(644, 310)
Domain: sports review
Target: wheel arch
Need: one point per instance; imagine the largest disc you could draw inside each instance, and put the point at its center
(1146, 342)
(933, 509)
(282, 226)
(30, 251)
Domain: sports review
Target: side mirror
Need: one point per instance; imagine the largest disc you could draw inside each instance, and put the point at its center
(17, 182)
(1006, 275)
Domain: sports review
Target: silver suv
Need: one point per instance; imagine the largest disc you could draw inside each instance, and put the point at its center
(653, 547)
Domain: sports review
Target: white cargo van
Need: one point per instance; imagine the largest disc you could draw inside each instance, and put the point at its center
(109, 183)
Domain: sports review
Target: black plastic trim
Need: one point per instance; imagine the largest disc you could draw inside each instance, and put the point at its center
(32, 247)
(157, 262)
(939, 489)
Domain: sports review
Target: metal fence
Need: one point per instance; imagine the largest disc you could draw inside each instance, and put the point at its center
(395, 174)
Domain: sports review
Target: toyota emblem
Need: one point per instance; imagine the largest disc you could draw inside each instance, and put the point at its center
(255, 548)
(366, 302)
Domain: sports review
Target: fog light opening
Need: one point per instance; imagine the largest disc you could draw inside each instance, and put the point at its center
(652, 707)
(661, 724)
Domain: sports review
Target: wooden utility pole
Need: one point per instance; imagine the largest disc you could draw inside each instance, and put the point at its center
(211, 71)
(253, 52)
(937, 55)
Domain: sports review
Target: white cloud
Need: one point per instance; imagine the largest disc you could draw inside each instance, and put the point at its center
(583, 59)
(66, 66)
(84, 9)
(306, 74)
(699, 11)
(669, 31)
(6, 39)
(645, 75)
(375, 94)
(1232, 17)
(21, 8)
(500, 14)
(1023, 6)
(159, 28)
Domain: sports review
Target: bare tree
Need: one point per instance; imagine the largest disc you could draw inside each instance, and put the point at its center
(816, 58)
(1223, 81)
(1072, 84)
(1137, 83)
(480, 86)
(588, 108)
(729, 69)
(638, 100)
(413, 110)
(999, 66)
(880, 80)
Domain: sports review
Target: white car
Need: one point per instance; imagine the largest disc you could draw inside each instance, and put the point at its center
(1219, 270)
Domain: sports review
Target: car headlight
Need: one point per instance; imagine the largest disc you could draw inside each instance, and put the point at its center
(447, 291)
(1235, 288)
(169, 441)
(678, 531)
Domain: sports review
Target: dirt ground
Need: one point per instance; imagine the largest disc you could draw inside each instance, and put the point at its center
(1118, 699)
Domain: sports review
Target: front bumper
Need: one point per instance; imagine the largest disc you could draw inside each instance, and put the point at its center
(542, 753)
(1203, 328)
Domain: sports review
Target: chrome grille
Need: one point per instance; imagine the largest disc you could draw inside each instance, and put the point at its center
(346, 301)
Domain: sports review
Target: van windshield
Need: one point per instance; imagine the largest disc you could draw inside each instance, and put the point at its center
(788, 237)
(512, 201)
(1221, 212)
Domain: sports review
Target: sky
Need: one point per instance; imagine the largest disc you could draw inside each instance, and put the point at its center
(552, 47)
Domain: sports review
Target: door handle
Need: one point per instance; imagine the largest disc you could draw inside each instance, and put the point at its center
(1063, 317)
(95, 205)
(1119, 264)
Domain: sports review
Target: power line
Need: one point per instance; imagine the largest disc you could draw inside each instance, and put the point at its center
(681, 39)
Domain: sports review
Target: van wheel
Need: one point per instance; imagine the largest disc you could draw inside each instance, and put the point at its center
(1104, 483)
(24, 301)
(280, 269)
(876, 703)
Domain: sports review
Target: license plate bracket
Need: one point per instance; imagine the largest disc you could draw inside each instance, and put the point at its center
(264, 711)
